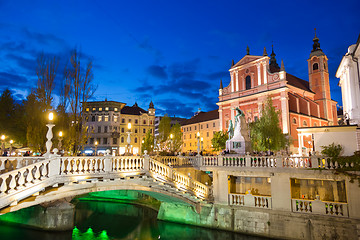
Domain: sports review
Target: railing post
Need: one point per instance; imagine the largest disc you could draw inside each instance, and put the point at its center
(54, 166)
(220, 160)
(247, 160)
(279, 160)
(199, 160)
(108, 163)
(146, 164)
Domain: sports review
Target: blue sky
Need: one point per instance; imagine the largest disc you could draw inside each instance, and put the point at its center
(171, 52)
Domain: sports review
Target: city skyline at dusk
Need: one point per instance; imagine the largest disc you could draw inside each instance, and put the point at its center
(171, 53)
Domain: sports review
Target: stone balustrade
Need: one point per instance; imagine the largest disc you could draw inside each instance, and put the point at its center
(320, 207)
(249, 200)
(23, 182)
(11, 163)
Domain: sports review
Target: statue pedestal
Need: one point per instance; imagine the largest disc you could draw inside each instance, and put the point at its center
(236, 144)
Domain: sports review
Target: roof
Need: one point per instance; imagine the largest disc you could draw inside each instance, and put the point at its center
(297, 82)
(202, 117)
(134, 110)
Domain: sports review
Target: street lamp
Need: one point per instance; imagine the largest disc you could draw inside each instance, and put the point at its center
(60, 139)
(96, 144)
(171, 141)
(11, 143)
(202, 144)
(198, 143)
(49, 134)
(129, 138)
(3, 144)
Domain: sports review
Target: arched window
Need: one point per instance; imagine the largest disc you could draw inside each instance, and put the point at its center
(304, 123)
(122, 139)
(247, 82)
(315, 66)
(315, 124)
(135, 140)
(294, 120)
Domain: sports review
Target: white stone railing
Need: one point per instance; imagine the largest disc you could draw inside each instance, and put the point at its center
(320, 207)
(249, 200)
(25, 181)
(11, 163)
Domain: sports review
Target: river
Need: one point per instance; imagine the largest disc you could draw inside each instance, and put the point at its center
(95, 220)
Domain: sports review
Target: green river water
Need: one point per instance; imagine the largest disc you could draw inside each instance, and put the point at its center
(95, 220)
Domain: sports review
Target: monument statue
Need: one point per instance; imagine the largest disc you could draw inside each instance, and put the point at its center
(236, 141)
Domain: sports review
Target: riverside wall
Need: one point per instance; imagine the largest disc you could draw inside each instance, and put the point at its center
(262, 222)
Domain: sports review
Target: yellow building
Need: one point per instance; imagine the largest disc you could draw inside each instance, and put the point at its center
(200, 128)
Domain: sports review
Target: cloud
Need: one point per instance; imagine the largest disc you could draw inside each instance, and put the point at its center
(9, 80)
(217, 75)
(157, 71)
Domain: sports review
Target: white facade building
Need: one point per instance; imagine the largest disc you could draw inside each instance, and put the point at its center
(349, 74)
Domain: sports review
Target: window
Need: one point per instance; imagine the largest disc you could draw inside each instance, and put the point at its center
(207, 134)
(213, 124)
(190, 144)
(122, 139)
(150, 122)
(87, 109)
(99, 129)
(114, 140)
(105, 129)
(91, 140)
(106, 118)
(190, 135)
(129, 119)
(144, 122)
(184, 144)
(123, 120)
(247, 82)
(122, 130)
(294, 121)
(107, 109)
(201, 126)
(304, 123)
(115, 118)
(144, 130)
(190, 128)
(315, 66)
(184, 136)
(105, 141)
(315, 124)
(207, 125)
(136, 131)
(324, 66)
(93, 118)
(100, 109)
(115, 109)
(135, 140)
(136, 121)
(94, 109)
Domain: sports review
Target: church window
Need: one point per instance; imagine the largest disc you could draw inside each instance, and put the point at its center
(305, 123)
(294, 120)
(315, 66)
(248, 82)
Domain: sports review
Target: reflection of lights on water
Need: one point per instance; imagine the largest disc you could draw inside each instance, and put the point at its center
(89, 234)
(159, 237)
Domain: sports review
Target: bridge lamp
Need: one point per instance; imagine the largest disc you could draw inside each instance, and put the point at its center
(198, 143)
(96, 144)
(129, 126)
(49, 134)
(128, 137)
(60, 139)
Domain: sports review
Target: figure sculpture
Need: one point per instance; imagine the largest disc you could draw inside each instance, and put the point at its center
(231, 130)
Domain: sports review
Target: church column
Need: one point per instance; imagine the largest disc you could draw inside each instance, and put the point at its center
(232, 82)
(265, 73)
(285, 112)
(220, 118)
(258, 73)
(348, 92)
(237, 81)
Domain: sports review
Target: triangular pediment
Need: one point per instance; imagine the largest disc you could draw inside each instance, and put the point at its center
(246, 59)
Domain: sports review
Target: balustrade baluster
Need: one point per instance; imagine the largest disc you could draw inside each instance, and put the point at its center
(3, 186)
(21, 180)
(12, 184)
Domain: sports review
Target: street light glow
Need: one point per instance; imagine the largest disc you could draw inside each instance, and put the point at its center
(96, 143)
(60, 134)
(51, 116)
(198, 134)
(11, 141)
(171, 136)
(3, 137)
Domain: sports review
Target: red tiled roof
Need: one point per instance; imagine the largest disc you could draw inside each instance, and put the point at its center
(202, 117)
(297, 82)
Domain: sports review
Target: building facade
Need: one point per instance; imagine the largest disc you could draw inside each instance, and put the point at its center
(349, 75)
(300, 103)
(107, 127)
(200, 129)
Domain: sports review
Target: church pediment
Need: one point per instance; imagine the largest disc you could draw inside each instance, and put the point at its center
(246, 59)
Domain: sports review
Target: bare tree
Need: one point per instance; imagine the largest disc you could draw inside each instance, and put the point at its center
(46, 73)
(79, 88)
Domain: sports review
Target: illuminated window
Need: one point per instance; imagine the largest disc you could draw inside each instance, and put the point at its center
(115, 118)
(99, 118)
(106, 118)
(100, 109)
(94, 109)
(107, 109)
(115, 109)
(87, 109)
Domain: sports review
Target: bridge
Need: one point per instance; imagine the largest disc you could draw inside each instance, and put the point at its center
(28, 181)
(273, 196)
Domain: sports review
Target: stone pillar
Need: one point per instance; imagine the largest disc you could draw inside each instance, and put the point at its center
(220, 187)
(146, 164)
(54, 167)
(281, 192)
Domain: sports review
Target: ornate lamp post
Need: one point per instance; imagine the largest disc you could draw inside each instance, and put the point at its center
(11, 143)
(202, 143)
(129, 138)
(49, 134)
(96, 144)
(198, 143)
(60, 139)
(2, 144)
